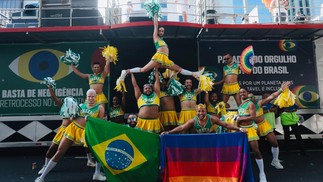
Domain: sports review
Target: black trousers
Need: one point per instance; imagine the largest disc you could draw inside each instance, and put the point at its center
(295, 130)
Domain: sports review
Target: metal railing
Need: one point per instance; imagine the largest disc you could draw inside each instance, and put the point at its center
(200, 12)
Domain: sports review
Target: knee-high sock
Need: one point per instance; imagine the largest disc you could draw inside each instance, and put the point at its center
(51, 164)
(186, 72)
(260, 164)
(97, 168)
(275, 152)
(135, 70)
(46, 161)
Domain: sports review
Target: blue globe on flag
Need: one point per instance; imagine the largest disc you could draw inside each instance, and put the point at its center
(119, 154)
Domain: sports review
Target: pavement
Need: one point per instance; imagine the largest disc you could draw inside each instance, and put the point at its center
(23, 164)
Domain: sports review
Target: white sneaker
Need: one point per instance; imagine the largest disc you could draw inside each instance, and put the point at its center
(262, 178)
(90, 163)
(99, 177)
(277, 164)
(39, 179)
(42, 170)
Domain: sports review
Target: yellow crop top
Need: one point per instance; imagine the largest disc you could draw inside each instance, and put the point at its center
(160, 43)
(187, 96)
(151, 100)
(98, 79)
(231, 70)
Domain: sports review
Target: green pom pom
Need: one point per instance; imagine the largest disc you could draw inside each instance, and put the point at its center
(49, 82)
(70, 57)
(175, 88)
(151, 77)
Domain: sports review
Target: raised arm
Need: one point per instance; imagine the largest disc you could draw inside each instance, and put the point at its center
(78, 73)
(57, 101)
(135, 86)
(155, 34)
(157, 82)
(106, 69)
(123, 101)
(284, 86)
(206, 98)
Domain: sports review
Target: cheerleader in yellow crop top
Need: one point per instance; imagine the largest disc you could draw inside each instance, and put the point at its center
(161, 56)
(148, 103)
(188, 102)
(96, 80)
(167, 113)
(230, 80)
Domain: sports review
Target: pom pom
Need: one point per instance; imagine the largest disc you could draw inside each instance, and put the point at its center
(169, 74)
(285, 99)
(110, 53)
(120, 86)
(211, 75)
(175, 88)
(70, 108)
(151, 77)
(70, 57)
(205, 83)
(220, 109)
(229, 117)
(49, 82)
(152, 8)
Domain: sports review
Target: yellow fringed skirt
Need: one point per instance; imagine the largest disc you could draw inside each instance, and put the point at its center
(230, 88)
(74, 132)
(150, 125)
(264, 128)
(59, 135)
(252, 132)
(168, 118)
(162, 59)
(101, 99)
(186, 115)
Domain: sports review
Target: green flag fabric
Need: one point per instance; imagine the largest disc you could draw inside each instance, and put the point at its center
(125, 153)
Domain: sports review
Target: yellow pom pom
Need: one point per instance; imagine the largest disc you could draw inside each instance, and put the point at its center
(220, 109)
(120, 87)
(110, 53)
(205, 83)
(285, 99)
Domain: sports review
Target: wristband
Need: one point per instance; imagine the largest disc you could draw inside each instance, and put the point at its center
(240, 129)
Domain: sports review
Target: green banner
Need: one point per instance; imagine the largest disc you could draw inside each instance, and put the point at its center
(24, 66)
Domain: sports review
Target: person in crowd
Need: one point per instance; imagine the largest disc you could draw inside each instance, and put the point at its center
(279, 10)
(160, 58)
(202, 123)
(96, 110)
(117, 111)
(167, 113)
(264, 128)
(132, 120)
(148, 104)
(289, 119)
(73, 134)
(247, 114)
(188, 102)
(96, 80)
(300, 17)
(230, 80)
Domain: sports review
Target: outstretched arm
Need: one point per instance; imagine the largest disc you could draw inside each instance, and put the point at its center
(181, 128)
(135, 86)
(155, 34)
(284, 86)
(216, 120)
(78, 73)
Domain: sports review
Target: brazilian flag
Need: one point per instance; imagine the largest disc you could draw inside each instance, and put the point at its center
(125, 153)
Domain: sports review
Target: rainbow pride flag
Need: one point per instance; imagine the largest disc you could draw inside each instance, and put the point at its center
(247, 60)
(206, 157)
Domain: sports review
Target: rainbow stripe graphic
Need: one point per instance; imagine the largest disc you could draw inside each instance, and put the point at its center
(206, 157)
(246, 60)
